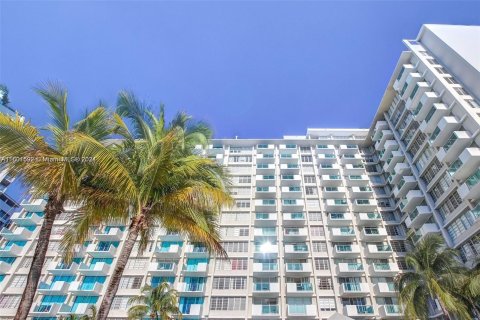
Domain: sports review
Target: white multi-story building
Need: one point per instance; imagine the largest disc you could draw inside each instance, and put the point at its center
(320, 221)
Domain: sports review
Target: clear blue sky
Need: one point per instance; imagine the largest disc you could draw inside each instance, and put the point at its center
(252, 69)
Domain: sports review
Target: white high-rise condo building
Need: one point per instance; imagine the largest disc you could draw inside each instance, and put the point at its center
(320, 223)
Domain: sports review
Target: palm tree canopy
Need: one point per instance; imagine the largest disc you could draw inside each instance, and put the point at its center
(162, 302)
(150, 171)
(435, 268)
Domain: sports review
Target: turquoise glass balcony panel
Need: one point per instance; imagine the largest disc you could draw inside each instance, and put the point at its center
(304, 286)
(79, 300)
(365, 309)
(270, 309)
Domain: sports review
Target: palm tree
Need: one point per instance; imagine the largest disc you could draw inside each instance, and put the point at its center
(92, 316)
(467, 288)
(435, 268)
(160, 303)
(165, 184)
(46, 168)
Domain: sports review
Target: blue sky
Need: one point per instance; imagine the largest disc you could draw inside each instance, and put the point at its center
(252, 69)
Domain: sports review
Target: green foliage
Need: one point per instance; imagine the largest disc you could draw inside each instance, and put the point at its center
(155, 303)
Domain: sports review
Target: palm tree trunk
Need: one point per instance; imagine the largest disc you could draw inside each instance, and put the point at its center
(445, 312)
(114, 283)
(52, 209)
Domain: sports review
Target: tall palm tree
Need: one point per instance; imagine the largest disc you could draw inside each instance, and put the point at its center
(435, 268)
(467, 288)
(165, 184)
(160, 303)
(45, 167)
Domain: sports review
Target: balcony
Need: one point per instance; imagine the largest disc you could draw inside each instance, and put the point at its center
(415, 96)
(470, 189)
(265, 192)
(405, 184)
(468, 162)
(384, 269)
(373, 233)
(264, 289)
(385, 289)
(36, 205)
(191, 310)
(389, 147)
(446, 126)
(434, 115)
(163, 269)
(303, 288)
(364, 204)
(192, 289)
(336, 204)
(346, 250)
(265, 250)
(290, 168)
(17, 234)
(196, 251)
(351, 158)
(379, 251)
(46, 311)
(391, 311)
(418, 217)
(358, 311)
(85, 289)
(332, 180)
(293, 204)
(413, 199)
(261, 269)
(265, 310)
(96, 269)
(354, 289)
(265, 233)
(379, 127)
(301, 310)
(402, 77)
(427, 228)
(288, 158)
(353, 269)
(11, 250)
(101, 251)
(329, 168)
(110, 234)
(266, 157)
(265, 180)
(26, 218)
(339, 219)
(265, 205)
(55, 288)
(454, 145)
(295, 234)
(290, 180)
(5, 267)
(296, 250)
(294, 219)
(265, 168)
(198, 269)
(291, 192)
(287, 148)
(298, 269)
(401, 169)
(384, 136)
(362, 191)
(328, 157)
(396, 157)
(80, 309)
(172, 251)
(421, 109)
(265, 219)
(370, 218)
(410, 85)
(334, 192)
(342, 234)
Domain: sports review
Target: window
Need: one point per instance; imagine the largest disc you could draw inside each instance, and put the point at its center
(229, 283)
(317, 231)
(53, 246)
(18, 281)
(242, 203)
(461, 91)
(235, 231)
(231, 264)
(319, 246)
(394, 230)
(235, 246)
(326, 304)
(313, 204)
(450, 204)
(324, 283)
(315, 216)
(228, 303)
(127, 282)
(120, 303)
(136, 263)
(58, 230)
(244, 179)
(240, 159)
(311, 191)
(398, 246)
(26, 263)
(229, 217)
(9, 301)
(322, 264)
(309, 179)
(307, 159)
